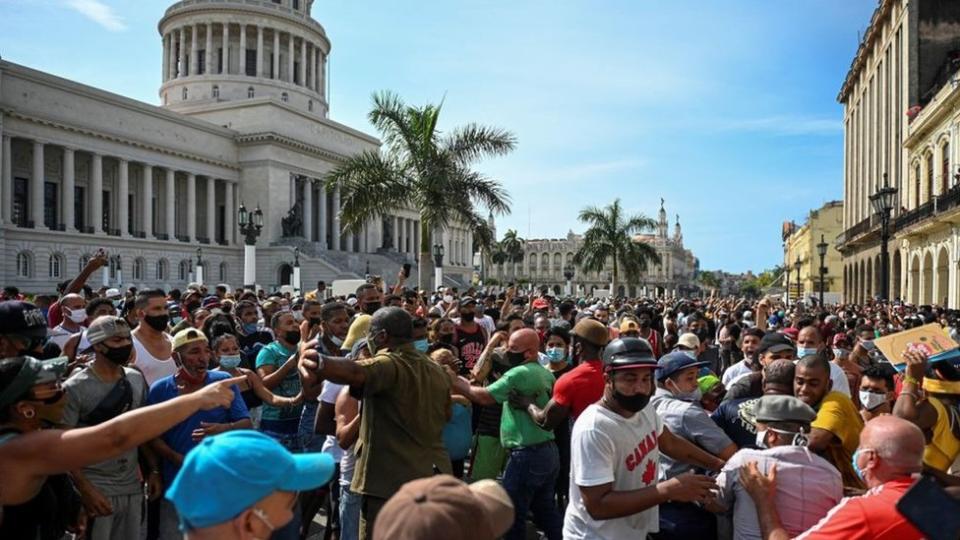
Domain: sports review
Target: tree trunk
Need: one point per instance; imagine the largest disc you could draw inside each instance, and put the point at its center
(613, 282)
(425, 264)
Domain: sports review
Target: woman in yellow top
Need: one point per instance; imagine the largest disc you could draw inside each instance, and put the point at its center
(938, 415)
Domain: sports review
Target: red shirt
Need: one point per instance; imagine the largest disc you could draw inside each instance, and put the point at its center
(873, 515)
(580, 388)
(54, 314)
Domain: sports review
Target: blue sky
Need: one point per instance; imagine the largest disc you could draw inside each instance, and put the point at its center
(725, 109)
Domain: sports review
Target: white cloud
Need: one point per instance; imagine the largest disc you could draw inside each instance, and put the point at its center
(98, 12)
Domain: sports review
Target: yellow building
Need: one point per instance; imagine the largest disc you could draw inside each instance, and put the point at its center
(800, 244)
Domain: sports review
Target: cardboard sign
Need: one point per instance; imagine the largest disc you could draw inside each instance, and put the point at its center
(929, 338)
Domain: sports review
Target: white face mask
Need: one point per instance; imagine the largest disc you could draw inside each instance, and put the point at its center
(298, 316)
(448, 299)
(77, 316)
(872, 400)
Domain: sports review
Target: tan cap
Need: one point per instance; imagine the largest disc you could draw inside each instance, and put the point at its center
(188, 336)
(688, 340)
(593, 331)
(105, 327)
(443, 507)
(629, 325)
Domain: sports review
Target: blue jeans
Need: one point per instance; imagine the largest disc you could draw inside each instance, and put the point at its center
(529, 479)
(310, 441)
(349, 513)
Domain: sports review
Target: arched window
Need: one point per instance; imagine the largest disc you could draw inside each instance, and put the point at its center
(930, 176)
(250, 93)
(184, 270)
(310, 105)
(216, 92)
(24, 264)
(284, 97)
(916, 188)
(84, 259)
(945, 167)
(184, 94)
(114, 266)
(138, 266)
(162, 272)
(55, 266)
(223, 271)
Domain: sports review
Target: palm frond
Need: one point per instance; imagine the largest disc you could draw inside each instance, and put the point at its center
(471, 142)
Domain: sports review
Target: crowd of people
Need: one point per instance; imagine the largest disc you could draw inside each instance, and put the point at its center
(219, 412)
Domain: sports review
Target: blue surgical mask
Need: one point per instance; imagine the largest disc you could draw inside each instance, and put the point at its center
(557, 355)
(229, 361)
(692, 396)
(250, 327)
(856, 468)
(805, 351)
(175, 320)
(421, 345)
(841, 353)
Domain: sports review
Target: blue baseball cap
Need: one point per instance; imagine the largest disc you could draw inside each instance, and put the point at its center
(676, 361)
(226, 474)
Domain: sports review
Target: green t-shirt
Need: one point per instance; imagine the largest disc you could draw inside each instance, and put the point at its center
(276, 355)
(516, 427)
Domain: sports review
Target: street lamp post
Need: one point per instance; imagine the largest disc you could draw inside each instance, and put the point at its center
(438, 265)
(119, 264)
(251, 223)
(796, 266)
(199, 266)
(296, 271)
(883, 202)
(786, 283)
(822, 251)
(568, 274)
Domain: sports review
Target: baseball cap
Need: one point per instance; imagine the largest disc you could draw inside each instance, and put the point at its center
(210, 302)
(113, 293)
(676, 361)
(228, 473)
(541, 303)
(23, 319)
(791, 333)
(32, 372)
(443, 507)
(106, 327)
(467, 301)
(707, 382)
(187, 336)
(841, 340)
(688, 340)
(783, 409)
(629, 325)
(593, 331)
(774, 342)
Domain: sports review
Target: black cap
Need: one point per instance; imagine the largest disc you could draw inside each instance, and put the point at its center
(775, 342)
(22, 318)
(628, 353)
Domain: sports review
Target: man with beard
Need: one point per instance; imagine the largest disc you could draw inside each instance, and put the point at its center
(150, 339)
(616, 445)
(111, 491)
(369, 298)
(191, 352)
(749, 344)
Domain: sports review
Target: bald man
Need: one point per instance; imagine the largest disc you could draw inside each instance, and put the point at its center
(533, 464)
(74, 311)
(890, 452)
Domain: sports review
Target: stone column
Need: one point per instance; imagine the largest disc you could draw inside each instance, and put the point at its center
(182, 67)
(276, 54)
(208, 62)
(6, 180)
(311, 61)
(228, 226)
(191, 208)
(349, 241)
(170, 190)
(96, 193)
(401, 235)
(291, 56)
(166, 58)
(260, 70)
(323, 77)
(303, 63)
(336, 219)
(147, 192)
(69, 181)
(396, 234)
(322, 217)
(225, 56)
(308, 209)
(243, 49)
(195, 52)
(211, 208)
(123, 191)
(36, 187)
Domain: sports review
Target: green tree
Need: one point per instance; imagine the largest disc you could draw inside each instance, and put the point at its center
(485, 244)
(421, 168)
(610, 239)
(708, 279)
(510, 250)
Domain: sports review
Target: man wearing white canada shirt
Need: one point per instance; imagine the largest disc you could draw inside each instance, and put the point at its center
(615, 449)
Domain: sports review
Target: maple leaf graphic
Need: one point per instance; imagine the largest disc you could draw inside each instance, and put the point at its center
(649, 473)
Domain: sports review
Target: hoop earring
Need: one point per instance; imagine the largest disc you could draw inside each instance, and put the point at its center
(29, 414)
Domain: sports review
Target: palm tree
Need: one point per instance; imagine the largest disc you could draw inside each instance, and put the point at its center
(420, 168)
(511, 247)
(708, 279)
(484, 243)
(610, 238)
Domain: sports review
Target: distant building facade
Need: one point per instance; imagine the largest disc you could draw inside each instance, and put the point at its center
(800, 244)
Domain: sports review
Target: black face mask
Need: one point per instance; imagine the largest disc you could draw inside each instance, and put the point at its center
(644, 323)
(703, 334)
(118, 355)
(515, 358)
(371, 307)
(315, 321)
(293, 336)
(157, 322)
(634, 403)
(467, 317)
(446, 338)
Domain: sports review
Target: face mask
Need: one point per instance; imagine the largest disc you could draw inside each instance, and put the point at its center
(872, 400)
(805, 351)
(856, 468)
(175, 320)
(467, 317)
(421, 345)
(446, 338)
(118, 355)
(315, 321)
(190, 378)
(841, 353)
(448, 299)
(644, 323)
(77, 316)
(298, 316)
(157, 322)
(761, 439)
(293, 336)
(703, 334)
(229, 361)
(692, 396)
(51, 409)
(250, 327)
(634, 403)
(336, 341)
(371, 307)
(515, 358)
(557, 355)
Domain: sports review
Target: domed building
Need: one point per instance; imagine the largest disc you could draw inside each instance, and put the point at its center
(244, 121)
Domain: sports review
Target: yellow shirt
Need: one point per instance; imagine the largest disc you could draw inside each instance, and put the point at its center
(943, 447)
(839, 416)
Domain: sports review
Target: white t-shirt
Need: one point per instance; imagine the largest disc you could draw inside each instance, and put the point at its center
(839, 378)
(329, 394)
(606, 447)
